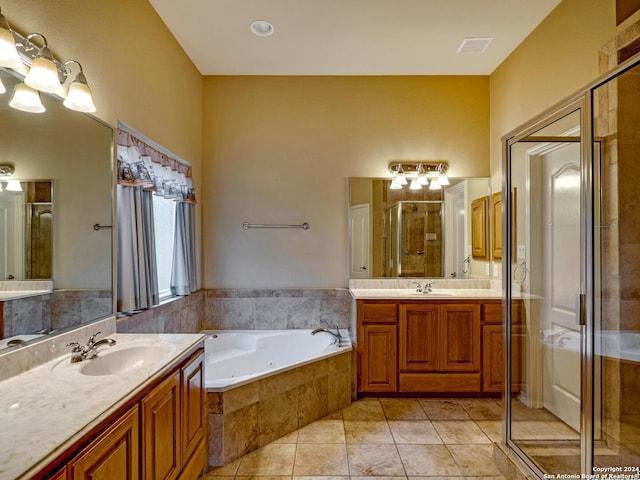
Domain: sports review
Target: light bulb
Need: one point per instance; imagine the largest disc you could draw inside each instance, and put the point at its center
(434, 185)
(79, 97)
(8, 53)
(14, 186)
(443, 179)
(26, 99)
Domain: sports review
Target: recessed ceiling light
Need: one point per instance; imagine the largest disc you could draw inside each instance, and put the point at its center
(474, 45)
(261, 28)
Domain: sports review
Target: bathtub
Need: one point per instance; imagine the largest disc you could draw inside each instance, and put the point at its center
(263, 384)
(237, 357)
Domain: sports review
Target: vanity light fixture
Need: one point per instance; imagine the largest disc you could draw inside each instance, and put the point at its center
(26, 99)
(79, 97)
(3, 89)
(7, 170)
(419, 174)
(8, 52)
(47, 74)
(43, 74)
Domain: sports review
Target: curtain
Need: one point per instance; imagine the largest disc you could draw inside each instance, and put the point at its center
(144, 171)
(183, 269)
(137, 272)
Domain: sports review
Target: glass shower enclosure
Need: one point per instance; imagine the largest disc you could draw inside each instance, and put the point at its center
(414, 239)
(572, 252)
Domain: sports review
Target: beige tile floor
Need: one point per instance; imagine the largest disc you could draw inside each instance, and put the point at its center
(385, 438)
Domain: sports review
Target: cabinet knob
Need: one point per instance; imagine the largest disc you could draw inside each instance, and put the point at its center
(363, 267)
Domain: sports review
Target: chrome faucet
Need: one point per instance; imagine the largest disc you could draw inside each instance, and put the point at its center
(90, 350)
(337, 338)
(426, 288)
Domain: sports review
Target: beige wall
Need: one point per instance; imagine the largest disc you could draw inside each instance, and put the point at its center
(280, 150)
(137, 71)
(558, 58)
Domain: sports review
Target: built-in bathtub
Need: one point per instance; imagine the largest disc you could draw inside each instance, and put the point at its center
(264, 384)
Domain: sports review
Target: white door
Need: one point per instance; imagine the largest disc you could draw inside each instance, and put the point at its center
(561, 281)
(360, 249)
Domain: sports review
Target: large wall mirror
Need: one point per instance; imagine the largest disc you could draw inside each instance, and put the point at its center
(416, 233)
(64, 172)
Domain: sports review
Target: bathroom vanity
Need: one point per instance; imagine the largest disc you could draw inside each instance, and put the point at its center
(135, 411)
(448, 341)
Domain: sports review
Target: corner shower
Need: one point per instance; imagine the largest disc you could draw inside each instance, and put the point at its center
(413, 243)
(572, 329)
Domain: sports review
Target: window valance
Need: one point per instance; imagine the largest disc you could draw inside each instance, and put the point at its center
(140, 164)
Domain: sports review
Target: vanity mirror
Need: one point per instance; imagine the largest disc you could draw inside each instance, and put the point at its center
(73, 152)
(414, 233)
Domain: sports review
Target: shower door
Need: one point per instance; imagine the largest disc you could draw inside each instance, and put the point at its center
(572, 326)
(545, 169)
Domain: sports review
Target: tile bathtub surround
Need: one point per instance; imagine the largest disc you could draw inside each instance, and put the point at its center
(250, 416)
(383, 438)
(265, 309)
(57, 310)
(180, 315)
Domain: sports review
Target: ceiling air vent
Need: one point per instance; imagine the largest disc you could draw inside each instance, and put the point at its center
(474, 45)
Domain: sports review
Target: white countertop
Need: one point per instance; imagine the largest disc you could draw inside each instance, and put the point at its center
(436, 294)
(47, 408)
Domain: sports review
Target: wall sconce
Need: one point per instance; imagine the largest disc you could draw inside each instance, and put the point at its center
(43, 74)
(26, 99)
(8, 53)
(47, 74)
(419, 174)
(79, 97)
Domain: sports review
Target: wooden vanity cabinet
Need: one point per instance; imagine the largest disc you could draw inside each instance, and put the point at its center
(173, 417)
(434, 346)
(377, 346)
(439, 348)
(161, 436)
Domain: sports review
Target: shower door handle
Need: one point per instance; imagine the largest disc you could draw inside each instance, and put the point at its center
(581, 314)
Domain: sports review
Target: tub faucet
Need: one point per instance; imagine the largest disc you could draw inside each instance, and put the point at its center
(337, 338)
(90, 350)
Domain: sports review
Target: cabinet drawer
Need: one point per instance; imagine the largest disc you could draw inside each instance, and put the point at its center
(379, 312)
(439, 382)
(492, 312)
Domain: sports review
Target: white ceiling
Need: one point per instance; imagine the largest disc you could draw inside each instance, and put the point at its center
(349, 37)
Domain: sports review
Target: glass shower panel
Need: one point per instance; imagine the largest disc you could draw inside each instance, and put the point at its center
(616, 127)
(545, 336)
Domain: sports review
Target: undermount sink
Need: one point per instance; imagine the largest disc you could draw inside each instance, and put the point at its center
(123, 360)
(114, 360)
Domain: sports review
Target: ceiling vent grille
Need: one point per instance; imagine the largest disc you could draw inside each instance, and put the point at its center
(474, 45)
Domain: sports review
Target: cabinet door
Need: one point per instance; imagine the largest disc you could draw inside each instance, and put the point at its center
(419, 332)
(193, 405)
(479, 208)
(379, 358)
(113, 456)
(61, 475)
(460, 338)
(492, 358)
(161, 444)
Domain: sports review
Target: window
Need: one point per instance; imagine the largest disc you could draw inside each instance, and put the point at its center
(164, 211)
